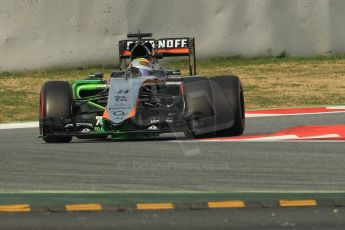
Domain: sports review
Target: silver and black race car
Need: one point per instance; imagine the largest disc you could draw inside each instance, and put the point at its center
(131, 105)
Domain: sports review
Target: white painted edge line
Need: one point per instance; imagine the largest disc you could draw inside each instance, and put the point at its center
(289, 138)
(316, 140)
(253, 115)
(34, 124)
(322, 136)
(19, 125)
(271, 138)
(335, 107)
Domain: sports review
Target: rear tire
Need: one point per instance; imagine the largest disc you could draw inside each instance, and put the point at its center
(232, 89)
(199, 105)
(55, 102)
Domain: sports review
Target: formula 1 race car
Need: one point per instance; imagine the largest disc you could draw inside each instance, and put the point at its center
(131, 105)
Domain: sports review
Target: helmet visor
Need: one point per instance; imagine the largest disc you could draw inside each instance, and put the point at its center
(139, 72)
(144, 72)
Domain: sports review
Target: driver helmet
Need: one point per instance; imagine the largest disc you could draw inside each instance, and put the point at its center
(140, 67)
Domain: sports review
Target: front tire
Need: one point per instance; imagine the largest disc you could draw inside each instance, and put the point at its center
(55, 102)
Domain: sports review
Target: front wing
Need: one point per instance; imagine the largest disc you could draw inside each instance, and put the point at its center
(89, 128)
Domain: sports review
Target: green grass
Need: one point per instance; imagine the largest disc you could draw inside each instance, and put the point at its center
(273, 82)
(210, 63)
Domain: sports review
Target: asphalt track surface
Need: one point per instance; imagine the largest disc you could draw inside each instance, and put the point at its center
(291, 218)
(28, 164)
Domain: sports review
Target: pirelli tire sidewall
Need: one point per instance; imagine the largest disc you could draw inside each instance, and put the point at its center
(232, 89)
(55, 102)
(199, 106)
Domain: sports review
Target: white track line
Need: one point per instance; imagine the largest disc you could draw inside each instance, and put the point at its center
(34, 124)
(253, 115)
(289, 138)
(272, 138)
(19, 125)
(335, 107)
(322, 136)
(264, 141)
(256, 139)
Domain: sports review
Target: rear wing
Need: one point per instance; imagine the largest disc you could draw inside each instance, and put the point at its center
(163, 47)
